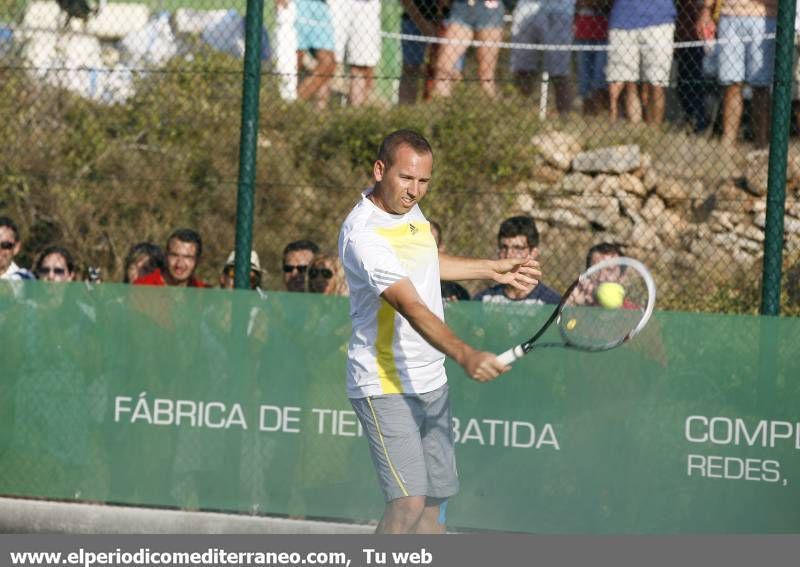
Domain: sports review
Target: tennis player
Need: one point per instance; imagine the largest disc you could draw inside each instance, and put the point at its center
(396, 379)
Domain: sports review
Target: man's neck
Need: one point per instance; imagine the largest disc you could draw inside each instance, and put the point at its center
(10, 269)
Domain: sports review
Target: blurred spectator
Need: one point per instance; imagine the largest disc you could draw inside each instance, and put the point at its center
(468, 19)
(326, 276)
(357, 35)
(314, 28)
(451, 291)
(742, 61)
(603, 251)
(420, 17)
(10, 246)
(691, 88)
(143, 258)
(591, 30)
(518, 238)
(55, 264)
(184, 249)
(227, 276)
(546, 22)
(641, 39)
(297, 256)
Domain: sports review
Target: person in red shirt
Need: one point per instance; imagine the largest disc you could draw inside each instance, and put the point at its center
(184, 248)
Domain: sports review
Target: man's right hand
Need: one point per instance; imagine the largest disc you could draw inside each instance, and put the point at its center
(483, 366)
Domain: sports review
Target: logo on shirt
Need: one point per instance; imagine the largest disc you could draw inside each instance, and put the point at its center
(412, 228)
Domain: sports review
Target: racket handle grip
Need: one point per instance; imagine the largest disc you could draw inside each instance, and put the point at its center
(511, 355)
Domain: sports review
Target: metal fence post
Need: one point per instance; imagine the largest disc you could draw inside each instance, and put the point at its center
(778, 155)
(248, 141)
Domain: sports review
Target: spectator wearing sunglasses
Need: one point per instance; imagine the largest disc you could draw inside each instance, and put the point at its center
(326, 276)
(226, 278)
(184, 249)
(297, 256)
(10, 246)
(55, 264)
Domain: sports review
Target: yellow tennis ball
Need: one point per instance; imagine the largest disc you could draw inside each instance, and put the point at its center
(610, 295)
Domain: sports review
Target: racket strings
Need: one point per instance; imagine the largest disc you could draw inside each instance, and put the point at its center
(604, 308)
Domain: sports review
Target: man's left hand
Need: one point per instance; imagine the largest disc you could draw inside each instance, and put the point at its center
(520, 273)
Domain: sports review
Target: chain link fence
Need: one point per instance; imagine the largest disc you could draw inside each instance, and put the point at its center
(639, 123)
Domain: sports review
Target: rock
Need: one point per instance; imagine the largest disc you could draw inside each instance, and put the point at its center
(567, 218)
(645, 165)
(644, 235)
(756, 171)
(575, 183)
(749, 231)
(653, 208)
(616, 159)
(720, 221)
(557, 148)
(632, 184)
(525, 203)
(672, 226)
(547, 174)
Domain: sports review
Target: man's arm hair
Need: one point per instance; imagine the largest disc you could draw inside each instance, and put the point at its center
(453, 268)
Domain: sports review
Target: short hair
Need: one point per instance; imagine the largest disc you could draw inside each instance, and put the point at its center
(607, 248)
(522, 225)
(61, 251)
(390, 143)
(301, 245)
(11, 225)
(153, 253)
(187, 235)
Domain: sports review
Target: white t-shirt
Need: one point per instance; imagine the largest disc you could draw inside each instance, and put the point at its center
(386, 355)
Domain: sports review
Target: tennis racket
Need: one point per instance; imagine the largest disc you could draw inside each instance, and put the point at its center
(609, 304)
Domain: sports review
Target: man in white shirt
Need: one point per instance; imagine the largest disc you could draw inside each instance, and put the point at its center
(10, 246)
(396, 380)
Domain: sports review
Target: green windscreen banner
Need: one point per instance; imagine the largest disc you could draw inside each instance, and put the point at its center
(234, 400)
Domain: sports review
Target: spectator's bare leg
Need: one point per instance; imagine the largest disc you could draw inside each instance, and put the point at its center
(448, 57)
(360, 85)
(614, 92)
(487, 58)
(633, 107)
(656, 101)
(409, 84)
(761, 112)
(731, 113)
(318, 83)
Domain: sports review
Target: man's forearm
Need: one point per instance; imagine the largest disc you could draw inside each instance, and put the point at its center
(458, 268)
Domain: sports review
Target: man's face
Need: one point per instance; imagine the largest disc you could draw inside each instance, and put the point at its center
(295, 266)
(9, 247)
(405, 183)
(613, 274)
(516, 247)
(181, 260)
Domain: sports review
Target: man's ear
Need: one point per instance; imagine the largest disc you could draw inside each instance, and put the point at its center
(378, 169)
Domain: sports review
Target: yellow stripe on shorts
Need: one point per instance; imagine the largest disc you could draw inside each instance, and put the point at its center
(385, 452)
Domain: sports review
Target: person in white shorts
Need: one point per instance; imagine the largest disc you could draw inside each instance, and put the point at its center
(547, 22)
(396, 379)
(640, 41)
(357, 37)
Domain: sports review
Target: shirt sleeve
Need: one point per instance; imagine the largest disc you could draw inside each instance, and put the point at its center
(372, 260)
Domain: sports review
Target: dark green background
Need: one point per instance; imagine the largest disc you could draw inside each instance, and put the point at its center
(69, 351)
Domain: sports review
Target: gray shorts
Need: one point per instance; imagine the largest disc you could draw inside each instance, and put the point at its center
(411, 443)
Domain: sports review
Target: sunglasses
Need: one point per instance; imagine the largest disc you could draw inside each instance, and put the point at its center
(288, 268)
(7, 245)
(43, 271)
(324, 272)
